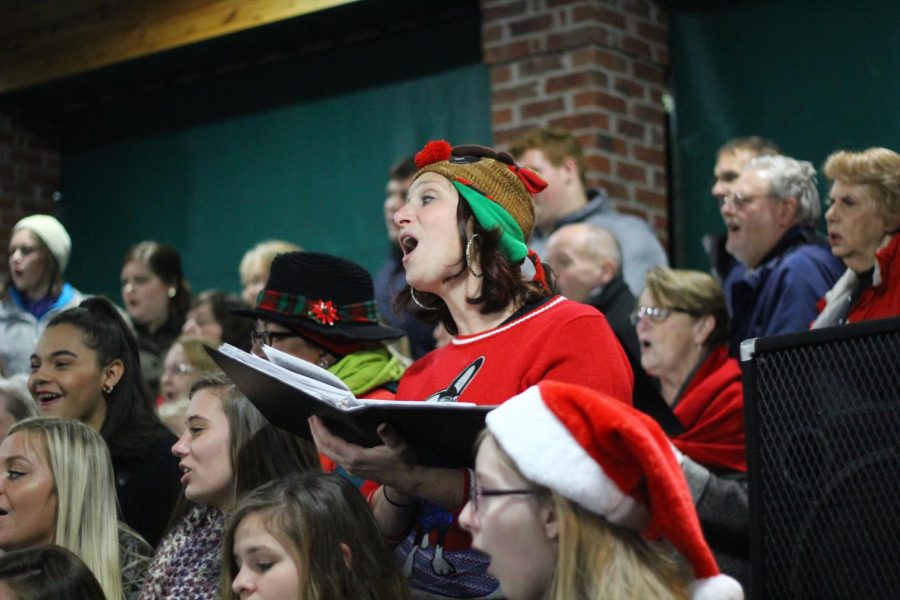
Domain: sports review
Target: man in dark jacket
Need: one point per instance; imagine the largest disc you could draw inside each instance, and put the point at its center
(587, 261)
(785, 265)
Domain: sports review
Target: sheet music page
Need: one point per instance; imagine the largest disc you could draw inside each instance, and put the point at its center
(297, 373)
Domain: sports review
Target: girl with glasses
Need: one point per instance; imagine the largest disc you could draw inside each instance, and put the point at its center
(566, 481)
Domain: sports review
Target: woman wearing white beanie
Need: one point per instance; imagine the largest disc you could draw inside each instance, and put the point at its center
(38, 254)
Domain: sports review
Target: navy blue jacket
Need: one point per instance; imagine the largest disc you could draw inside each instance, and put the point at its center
(780, 295)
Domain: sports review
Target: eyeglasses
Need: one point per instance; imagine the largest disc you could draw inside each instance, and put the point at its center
(268, 338)
(179, 369)
(739, 200)
(477, 494)
(655, 313)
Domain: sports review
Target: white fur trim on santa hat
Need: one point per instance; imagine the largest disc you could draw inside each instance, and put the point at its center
(720, 587)
(547, 453)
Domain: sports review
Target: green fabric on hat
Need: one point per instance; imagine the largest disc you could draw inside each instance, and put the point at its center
(366, 370)
(493, 216)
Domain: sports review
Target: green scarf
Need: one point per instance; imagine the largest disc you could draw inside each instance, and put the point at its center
(493, 216)
(367, 369)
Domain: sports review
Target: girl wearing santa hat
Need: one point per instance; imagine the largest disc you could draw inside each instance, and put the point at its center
(571, 489)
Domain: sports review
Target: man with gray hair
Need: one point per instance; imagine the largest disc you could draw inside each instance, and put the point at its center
(785, 265)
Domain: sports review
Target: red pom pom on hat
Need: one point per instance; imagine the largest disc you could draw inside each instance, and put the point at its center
(533, 182)
(619, 465)
(434, 151)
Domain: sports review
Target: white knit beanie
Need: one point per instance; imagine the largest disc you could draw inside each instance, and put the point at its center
(52, 233)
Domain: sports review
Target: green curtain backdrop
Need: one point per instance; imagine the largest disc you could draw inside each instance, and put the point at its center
(312, 173)
(814, 75)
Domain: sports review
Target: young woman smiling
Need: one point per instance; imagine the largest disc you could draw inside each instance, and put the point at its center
(464, 229)
(85, 366)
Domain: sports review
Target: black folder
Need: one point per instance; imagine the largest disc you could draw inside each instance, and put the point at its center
(442, 433)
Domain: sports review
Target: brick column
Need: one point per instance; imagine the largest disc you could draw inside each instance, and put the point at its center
(29, 174)
(596, 68)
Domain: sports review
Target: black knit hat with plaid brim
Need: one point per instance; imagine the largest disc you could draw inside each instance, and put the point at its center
(324, 294)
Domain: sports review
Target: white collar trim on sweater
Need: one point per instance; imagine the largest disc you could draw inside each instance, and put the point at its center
(477, 338)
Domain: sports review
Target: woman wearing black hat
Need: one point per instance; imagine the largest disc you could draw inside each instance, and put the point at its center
(321, 309)
(464, 231)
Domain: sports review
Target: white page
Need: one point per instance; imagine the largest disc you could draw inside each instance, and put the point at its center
(340, 397)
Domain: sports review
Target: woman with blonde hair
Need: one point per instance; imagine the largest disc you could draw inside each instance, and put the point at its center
(255, 265)
(15, 403)
(58, 488)
(317, 539)
(187, 362)
(863, 221)
(572, 489)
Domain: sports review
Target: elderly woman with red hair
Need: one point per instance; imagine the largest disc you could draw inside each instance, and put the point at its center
(863, 225)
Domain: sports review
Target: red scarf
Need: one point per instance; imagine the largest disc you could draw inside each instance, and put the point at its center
(711, 410)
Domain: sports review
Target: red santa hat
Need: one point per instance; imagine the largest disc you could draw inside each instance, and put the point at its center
(612, 460)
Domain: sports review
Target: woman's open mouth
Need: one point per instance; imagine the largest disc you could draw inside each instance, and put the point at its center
(408, 243)
(47, 399)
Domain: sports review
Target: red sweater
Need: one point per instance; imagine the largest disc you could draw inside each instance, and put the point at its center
(560, 340)
(883, 300)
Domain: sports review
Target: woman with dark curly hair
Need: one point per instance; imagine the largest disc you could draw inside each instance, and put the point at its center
(464, 230)
(85, 366)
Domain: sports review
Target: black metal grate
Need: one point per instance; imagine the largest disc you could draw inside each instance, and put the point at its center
(825, 468)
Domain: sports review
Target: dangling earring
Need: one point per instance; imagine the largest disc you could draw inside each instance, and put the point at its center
(172, 292)
(412, 294)
(469, 256)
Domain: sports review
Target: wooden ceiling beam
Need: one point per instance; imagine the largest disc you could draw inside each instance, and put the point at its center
(43, 41)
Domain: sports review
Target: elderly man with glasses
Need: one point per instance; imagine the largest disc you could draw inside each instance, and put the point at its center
(785, 265)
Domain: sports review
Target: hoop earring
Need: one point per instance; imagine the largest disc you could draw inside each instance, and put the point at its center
(469, 256)
(412, 294)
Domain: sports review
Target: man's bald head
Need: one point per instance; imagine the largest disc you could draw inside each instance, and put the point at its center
(584, 257)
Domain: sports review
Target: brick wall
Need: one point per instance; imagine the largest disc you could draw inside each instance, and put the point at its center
(29, 175)
(596, 68)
